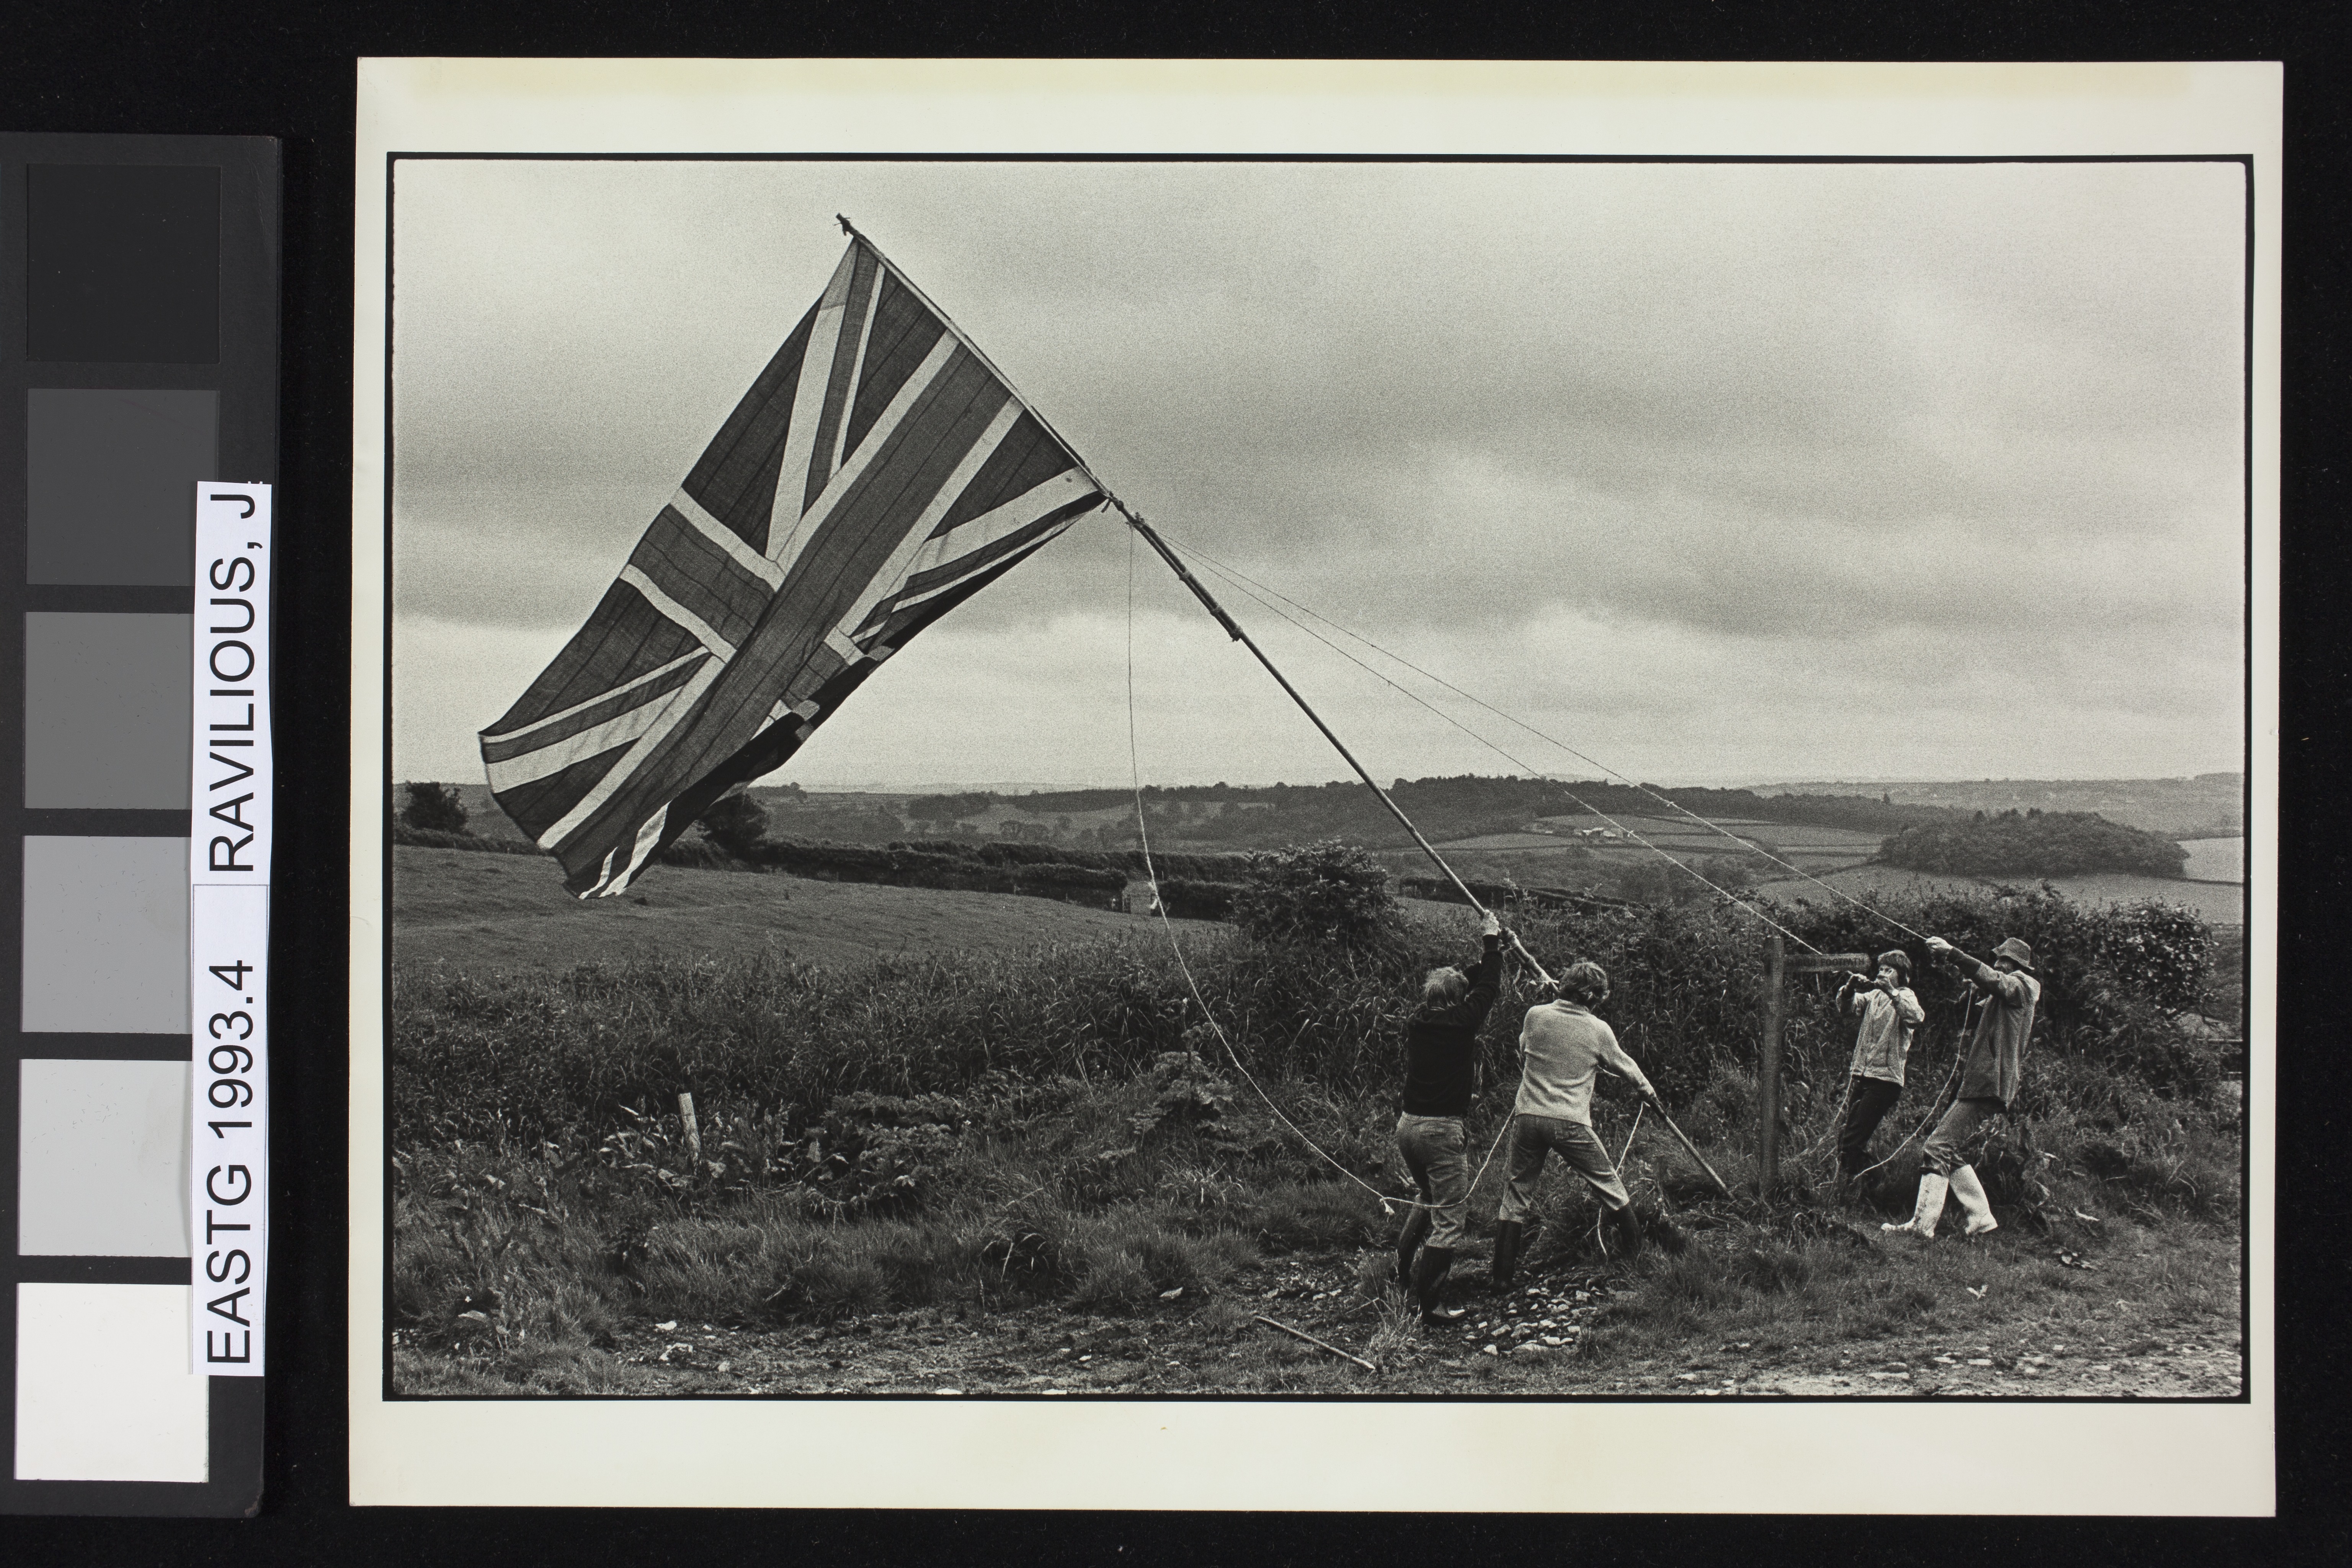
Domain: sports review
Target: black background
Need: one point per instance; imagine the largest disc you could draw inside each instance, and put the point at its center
(253, 70)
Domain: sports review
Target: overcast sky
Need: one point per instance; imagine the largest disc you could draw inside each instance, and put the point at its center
(1718, 474)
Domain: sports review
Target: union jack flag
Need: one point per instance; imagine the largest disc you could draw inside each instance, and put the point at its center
(878, 473)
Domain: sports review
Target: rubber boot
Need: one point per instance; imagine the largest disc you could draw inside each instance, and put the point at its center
(1625, 1232)
(1973, 1202)
(1922, 1223)
(1509, 1235)
(1416, 1226)
(1429, 1283)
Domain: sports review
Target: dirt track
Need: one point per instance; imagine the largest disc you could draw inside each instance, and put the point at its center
(1537, 1332)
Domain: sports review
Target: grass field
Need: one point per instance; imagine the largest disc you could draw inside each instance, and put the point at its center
(482, 912)
(1162, 1263)
(1070, 1240)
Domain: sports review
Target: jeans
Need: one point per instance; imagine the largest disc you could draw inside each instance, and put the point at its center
(1960, 1124)
(1866, 1105)
(1534, 1137)
(1431, 1147)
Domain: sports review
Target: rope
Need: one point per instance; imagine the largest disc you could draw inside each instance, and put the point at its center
(1837, 1125)
(1143, 833)
(1243, 581)
(1934, 1106)
(1733, 898)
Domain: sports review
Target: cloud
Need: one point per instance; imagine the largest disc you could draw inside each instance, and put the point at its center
(1694, 422)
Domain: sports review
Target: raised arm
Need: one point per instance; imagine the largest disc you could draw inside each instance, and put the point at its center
(2010, 987)
(1487, 976)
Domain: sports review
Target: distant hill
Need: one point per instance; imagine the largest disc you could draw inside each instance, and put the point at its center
(2033, 843)
(1229, 817)
(2208, 805)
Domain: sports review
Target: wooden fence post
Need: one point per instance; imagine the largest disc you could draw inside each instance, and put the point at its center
(1767, 1142)
(693, 1132)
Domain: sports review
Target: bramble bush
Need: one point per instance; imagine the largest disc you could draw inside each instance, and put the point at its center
(1328, 892)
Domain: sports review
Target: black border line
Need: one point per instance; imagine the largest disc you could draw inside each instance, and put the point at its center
(390, 1396)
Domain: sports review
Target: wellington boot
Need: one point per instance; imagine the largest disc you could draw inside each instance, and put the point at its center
(1922, 1223)
(1510, 1235)
(1429, 1272)
(1416, 1226)
(1973, 1202)
(1625, 1233)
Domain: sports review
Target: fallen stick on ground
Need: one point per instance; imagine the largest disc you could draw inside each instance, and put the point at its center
(1318, 1345)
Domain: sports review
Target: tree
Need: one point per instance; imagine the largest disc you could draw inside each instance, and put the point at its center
(2036, 843)
(736, 824)
(1328, 892)
(434, 807)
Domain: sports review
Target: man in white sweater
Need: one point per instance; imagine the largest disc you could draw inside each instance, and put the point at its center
(1562, 1048)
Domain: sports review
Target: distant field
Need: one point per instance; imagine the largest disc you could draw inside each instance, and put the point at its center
(2220, 902)
(1506, 841)
(472, 911)
(2216, 860)
(2210, 802)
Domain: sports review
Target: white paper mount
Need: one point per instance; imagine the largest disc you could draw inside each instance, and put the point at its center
(228, 931)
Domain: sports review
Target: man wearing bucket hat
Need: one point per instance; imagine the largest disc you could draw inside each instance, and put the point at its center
(1889, 1014)
(2007, 992)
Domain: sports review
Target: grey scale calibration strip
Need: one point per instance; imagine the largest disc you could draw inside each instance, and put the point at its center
(107, 293)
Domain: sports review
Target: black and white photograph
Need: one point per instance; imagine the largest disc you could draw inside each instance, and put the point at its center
(1383, 780)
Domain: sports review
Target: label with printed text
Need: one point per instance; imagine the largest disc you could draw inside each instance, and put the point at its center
(228, 931)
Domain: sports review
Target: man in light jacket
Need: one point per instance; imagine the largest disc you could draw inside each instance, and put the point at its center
(1990, 1074)
(1889, 1013)
(1563, 1047)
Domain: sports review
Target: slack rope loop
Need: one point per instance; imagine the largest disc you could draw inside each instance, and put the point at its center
(1934, 1108)
(1724, 893)
(1246, 583)
(1143, 833)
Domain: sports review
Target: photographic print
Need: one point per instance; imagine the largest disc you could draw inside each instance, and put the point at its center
(1372, 780)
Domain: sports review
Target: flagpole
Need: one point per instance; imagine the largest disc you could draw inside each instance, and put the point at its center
(977, 352)
(1233, 628)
